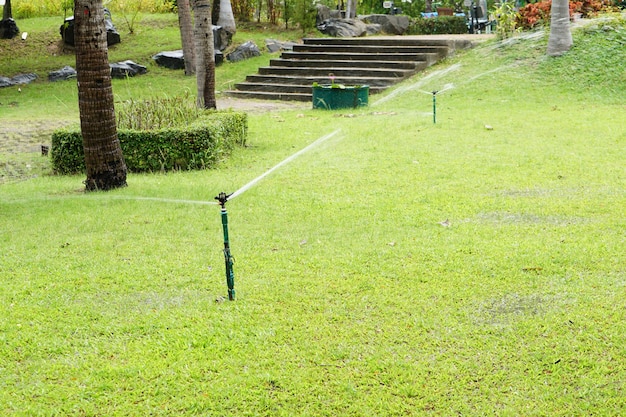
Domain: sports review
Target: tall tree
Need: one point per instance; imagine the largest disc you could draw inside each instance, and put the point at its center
(205, 54)
(351, 9)
(186, 34)
(560, 40)
(104, 161)
(222, 15)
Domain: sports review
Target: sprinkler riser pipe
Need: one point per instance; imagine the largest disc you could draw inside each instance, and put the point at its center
(228, 259)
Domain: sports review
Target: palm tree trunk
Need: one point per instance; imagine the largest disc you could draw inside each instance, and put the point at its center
(560, 40)
(205, 54)
(186, 35)
(104, 161)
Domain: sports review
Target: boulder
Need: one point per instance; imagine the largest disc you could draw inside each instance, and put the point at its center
(67, 30)
(18, 79)
(126, 69)
(343, 28)
(112, 36)
(170, 59)
(176, 60)
(219, 58)
(373, 28)
(323, 14)
(8, 29)
(390, 24)
(24, 78)
(244, 51)
(5, 82)
(63, 74)
(221, 38)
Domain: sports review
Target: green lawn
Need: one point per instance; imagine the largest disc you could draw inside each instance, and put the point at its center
(471, 267)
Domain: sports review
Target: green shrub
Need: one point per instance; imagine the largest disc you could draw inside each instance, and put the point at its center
(157, 112)
(199, 145)
(438, 25)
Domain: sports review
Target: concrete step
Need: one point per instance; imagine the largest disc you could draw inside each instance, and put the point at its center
(441, 51)
(361, 56)
(308, 63)
(378, 62)
(288, 88)
(448, 42)
(339, 72)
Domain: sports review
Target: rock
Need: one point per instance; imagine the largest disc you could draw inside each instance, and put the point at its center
(63, 74)
(24, 79)
(274, 45)
(126, 69)
(343, 28)
(176, 60)
(67, 30)
(221, 38)
(18, 79)
(219, 58)
(373, 28)
(390, 24)
(8, 29)
(5, 82)
(244, 51)
(112, 36)
(323, 14)
(170, 59)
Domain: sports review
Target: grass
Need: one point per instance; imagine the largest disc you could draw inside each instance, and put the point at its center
(43, 52)
(399, 268)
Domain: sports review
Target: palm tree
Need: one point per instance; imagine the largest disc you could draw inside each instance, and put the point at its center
(186, 35)
(205, 54)
(560, 40)
(104, 161)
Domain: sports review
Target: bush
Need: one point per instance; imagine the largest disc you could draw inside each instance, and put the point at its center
(438, 25)
(199, 145)
(536, 14)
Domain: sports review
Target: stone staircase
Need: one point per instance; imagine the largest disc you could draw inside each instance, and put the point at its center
(377, 61)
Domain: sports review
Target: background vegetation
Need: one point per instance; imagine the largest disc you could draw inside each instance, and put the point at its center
(474, 266)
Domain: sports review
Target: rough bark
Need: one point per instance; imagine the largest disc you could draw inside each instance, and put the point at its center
(560, 40)
(205, 54)
(104, 161)
(186, 34)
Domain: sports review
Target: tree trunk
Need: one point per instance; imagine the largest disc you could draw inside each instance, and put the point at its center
(104, 161)
(351, 9)
(560, 40)
(6, 11)
(186, 35)
(223, 16)
(205, 54)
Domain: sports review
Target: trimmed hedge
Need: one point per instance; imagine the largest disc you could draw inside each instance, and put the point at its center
(438, 25)
(200, 145)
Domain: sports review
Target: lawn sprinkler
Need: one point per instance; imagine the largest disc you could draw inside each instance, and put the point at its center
(222, 198)
(435, 107)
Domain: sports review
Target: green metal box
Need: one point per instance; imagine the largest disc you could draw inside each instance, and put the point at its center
(337, 96)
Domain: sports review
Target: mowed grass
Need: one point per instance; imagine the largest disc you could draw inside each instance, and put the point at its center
(475, 266)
